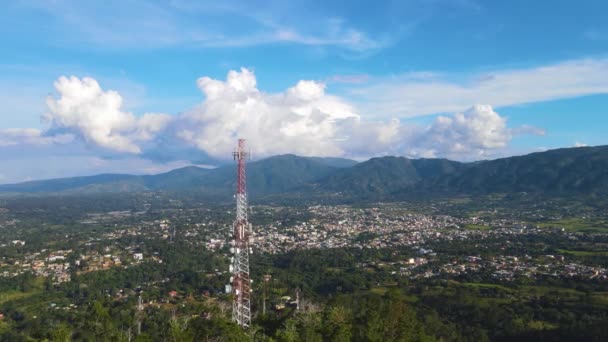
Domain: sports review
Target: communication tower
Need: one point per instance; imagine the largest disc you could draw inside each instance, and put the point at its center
(240, 286)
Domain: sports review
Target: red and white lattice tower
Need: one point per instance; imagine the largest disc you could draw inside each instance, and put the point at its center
(241, 283)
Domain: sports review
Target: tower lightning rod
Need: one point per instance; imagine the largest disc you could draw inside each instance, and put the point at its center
(240, 286)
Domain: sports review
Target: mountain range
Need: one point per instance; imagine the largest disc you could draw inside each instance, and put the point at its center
(562, 171)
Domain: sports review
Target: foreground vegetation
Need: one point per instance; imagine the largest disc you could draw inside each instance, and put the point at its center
(339, 302)
(344, 294)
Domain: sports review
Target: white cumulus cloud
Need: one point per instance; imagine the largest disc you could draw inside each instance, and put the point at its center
(468, 135)
(94, 114)
(302, 120)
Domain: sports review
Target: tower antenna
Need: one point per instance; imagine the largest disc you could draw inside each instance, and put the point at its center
(240, 282)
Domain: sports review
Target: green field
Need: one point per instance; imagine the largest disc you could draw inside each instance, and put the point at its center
(13, 295)
(9, 296)
(577, 225)
(583, 253)
(536, 290)
(4, 326)
(527, 291)
(541, 325)
(486, 286)
(477, 227)
(601, 298)
(382, 290)
(379, 290)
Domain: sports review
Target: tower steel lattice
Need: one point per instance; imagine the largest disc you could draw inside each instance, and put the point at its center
(240, 281)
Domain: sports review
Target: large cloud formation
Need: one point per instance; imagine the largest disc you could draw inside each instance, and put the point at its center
(470, 134)
(85, 109)
(304, 119)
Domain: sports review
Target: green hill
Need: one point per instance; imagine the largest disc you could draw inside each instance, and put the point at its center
(271, 175)
(581, 170)
(568, 170)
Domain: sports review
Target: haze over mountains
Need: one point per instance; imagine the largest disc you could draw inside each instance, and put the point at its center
(560, 171)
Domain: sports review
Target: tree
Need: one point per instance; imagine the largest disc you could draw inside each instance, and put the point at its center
(338, 325)
(289, 333)
(99, 324)
(61, 333)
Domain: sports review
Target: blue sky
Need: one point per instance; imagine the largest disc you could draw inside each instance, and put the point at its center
(147, 86)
